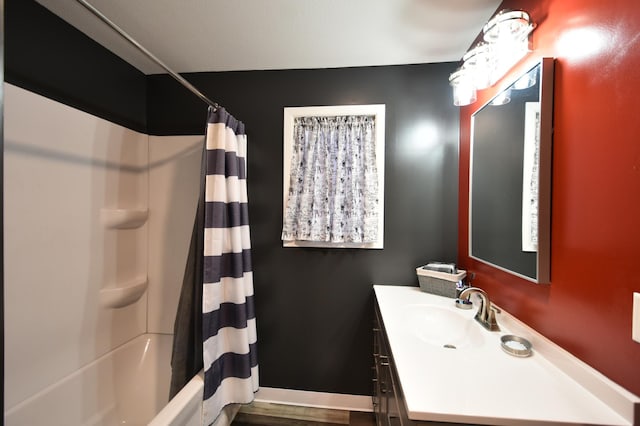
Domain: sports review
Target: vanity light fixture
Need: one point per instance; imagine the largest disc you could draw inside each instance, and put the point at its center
(505, 41)
(478, 63)
(464, 92)
(507, 26)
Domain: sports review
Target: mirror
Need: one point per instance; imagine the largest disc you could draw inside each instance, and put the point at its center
(510, 177)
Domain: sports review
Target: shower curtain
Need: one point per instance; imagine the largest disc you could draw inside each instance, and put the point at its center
(221, 240)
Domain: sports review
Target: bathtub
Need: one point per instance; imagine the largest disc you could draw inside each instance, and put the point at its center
(128, 386)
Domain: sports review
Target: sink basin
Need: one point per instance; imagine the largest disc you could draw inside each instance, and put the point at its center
(445, 327)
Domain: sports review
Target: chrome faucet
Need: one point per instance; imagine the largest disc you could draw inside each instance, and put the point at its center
(486, 315)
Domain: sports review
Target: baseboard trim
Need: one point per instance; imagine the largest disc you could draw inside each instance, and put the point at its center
(335, 401)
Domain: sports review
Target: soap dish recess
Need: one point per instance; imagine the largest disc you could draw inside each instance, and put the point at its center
(515, 345)
(125, 294)
(123, 218)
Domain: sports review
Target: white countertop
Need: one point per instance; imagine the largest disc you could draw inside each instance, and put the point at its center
(483, 384)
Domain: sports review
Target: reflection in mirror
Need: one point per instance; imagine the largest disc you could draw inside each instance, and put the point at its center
(510, 177)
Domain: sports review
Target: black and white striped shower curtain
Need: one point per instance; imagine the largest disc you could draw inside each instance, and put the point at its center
(228, 315)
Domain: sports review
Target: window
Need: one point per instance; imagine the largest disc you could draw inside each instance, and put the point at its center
(333, 187)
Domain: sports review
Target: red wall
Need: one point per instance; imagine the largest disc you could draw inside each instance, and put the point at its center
(595, 230)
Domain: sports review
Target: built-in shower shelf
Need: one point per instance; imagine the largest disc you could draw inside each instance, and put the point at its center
(123, 218)
(123, 294)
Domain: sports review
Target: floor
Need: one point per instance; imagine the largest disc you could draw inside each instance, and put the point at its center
(268, 414)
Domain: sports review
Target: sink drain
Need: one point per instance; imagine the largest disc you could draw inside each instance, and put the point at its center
(449, 346)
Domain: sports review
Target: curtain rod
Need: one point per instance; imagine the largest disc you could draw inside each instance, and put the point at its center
(148, 54)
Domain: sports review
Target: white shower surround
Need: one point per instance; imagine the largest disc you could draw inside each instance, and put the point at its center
(63, 168)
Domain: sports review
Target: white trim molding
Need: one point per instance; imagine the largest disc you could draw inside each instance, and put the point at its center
(302, 398)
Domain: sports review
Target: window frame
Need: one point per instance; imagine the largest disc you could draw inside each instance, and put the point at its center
(376, 110)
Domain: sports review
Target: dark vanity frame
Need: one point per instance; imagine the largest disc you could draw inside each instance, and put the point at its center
(494, 245)
(388, 401)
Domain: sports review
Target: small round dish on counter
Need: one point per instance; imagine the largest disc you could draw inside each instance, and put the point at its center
(515, 345)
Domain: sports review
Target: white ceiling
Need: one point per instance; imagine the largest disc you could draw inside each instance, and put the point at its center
(229, 35)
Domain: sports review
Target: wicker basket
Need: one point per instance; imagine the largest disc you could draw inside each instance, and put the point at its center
(440, 283)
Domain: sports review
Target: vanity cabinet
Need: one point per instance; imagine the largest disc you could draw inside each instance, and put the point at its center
(388, 401)
(387, 395)
(419, 382)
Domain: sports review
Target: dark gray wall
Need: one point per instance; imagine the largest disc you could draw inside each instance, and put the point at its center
(47, 56)
(314, 306)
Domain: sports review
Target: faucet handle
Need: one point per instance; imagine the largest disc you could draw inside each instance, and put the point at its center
(492, 324)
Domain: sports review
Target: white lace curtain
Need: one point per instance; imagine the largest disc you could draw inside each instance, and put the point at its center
(333, 189)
